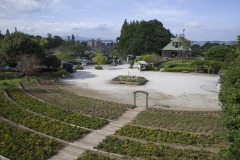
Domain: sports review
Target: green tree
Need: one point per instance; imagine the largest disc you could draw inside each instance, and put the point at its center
(217, 53)
(100, 59)
(62, 56)
(17, 43)
(208, 45)
(52, 62)
(79, 49)
(115, 53)
(230, 99)
(149, 58)
(73, 40)
(186, 44)
(197, 50)
(143, 37)
(27, 63)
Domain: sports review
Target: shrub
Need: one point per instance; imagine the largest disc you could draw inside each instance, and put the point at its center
(113, 64)
(178, 69)
(150, 67)
(131, 64)
(59, 72)
(79, 67)
(52, 62)
(98, 67)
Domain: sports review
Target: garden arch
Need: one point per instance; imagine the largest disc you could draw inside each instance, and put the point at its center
(144, 92)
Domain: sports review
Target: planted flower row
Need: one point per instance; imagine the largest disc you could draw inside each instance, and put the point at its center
(89, 155)
(158, 135)
(38, 123)
(19, 144)
(70, 101)
(150, 151)
(55, 112)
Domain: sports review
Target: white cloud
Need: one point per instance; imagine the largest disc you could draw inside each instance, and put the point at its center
(15, 8)
(61, 28)
(192, 24)
(21, 6)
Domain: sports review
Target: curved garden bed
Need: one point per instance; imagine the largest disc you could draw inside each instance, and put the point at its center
(129, 80)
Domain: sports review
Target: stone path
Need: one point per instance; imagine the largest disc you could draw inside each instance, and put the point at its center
(75, 149)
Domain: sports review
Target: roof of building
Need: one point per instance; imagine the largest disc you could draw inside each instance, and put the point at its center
(171, 47)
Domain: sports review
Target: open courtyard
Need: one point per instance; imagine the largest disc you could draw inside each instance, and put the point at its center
(177, 91)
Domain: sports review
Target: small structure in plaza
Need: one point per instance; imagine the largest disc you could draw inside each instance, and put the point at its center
(144, 92)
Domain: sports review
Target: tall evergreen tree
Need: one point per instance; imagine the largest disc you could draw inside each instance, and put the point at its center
(143, 37)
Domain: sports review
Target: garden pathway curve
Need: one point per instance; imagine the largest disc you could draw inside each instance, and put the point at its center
(75, 149)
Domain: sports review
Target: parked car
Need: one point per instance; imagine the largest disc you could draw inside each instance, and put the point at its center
(142, 65)
(76, 61)
(69, 67)
(84, 62)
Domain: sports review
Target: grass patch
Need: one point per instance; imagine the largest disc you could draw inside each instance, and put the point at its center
(189, 121)
(11, 83)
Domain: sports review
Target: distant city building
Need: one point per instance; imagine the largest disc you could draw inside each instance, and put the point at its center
(105, 45)
(94, 43)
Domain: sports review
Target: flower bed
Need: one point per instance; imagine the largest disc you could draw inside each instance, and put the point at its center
(158, 135)
(75, 103)
(55, 112)
(186, 121)
(19, 144)
(151, 151)
(89, 155)
(38, 123)
(131, 80)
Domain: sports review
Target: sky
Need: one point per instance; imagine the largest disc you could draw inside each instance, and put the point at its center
(203, 20)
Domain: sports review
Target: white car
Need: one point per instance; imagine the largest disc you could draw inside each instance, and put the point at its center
(142, 65)
(84, 62)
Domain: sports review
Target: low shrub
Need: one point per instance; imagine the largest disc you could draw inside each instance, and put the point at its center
(131, 64)
(113, 64)
(98, 67)
(149, 67)
(59, 72)
(79, 67)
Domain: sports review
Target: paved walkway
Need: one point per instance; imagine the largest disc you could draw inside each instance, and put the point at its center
(74, 150)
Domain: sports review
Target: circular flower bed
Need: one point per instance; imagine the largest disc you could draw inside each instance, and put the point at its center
(132, 80)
